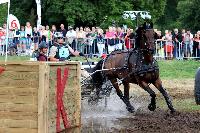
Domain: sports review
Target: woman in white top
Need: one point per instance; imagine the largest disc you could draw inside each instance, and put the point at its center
(28, 35)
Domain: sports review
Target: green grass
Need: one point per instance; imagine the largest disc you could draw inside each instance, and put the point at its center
(169, 69)
(177, 69)
(15, 58)
(181, 104)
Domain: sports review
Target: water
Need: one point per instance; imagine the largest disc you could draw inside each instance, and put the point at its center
(102, 119)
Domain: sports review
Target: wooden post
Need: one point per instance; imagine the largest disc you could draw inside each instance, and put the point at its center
(43, 98)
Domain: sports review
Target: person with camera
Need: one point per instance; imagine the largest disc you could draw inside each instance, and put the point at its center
(60, 51)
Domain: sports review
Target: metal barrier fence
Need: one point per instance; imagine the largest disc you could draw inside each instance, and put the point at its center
(178, 50)
(97, 46)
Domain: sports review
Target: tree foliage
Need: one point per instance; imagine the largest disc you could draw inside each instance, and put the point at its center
(85, 12)
(3, 13)
(189, 14)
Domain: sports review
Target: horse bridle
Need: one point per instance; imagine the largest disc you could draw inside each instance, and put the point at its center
(145, 43)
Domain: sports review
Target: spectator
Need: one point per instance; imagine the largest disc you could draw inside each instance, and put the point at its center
(15, 41)
(2, 39)
(22, 41)
(93, 39)
(63, 30)
(48, 36)
(119, 36)
(28, 35)
(36, 38)
(168, 45)
(129, 39)
(54, 32)
(188, 40)
(159, 45)
(60, 51)
(110, 37)
(81, 36)
(196, 46)
(70, 37)
(10, 41)
(89, 41)
(177, 39)
(100, 42)
(43, 34)
(42, 52)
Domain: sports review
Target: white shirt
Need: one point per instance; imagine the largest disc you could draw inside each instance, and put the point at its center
(28, 31)
(71, 34)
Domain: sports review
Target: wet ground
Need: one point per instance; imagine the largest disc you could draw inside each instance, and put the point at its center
(115, 119)
(111, 116)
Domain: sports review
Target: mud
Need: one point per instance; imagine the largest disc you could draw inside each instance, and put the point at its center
(110, 116)
(115, 118)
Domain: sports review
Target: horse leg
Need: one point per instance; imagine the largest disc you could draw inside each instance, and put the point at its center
(145, 86)
(126, 90)
(158, 85)
(129, 107)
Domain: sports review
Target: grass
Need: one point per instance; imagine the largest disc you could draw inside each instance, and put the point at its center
(178, 69)
(169, 69)
(15, 58)
(181, 104)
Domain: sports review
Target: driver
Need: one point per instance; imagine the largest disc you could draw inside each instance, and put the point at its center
(60, 51)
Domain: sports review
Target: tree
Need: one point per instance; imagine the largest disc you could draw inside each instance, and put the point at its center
(189, 14)
(169, 20)
(3, 13)
(24, 10)
(85, 12)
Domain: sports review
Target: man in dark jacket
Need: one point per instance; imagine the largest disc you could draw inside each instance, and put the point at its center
(177, 39)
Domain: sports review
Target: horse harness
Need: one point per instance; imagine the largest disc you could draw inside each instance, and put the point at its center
(140, 68)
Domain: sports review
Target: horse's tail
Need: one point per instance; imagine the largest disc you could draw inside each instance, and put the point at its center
(97, 77)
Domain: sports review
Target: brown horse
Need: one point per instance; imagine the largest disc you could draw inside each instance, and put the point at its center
(135, 66)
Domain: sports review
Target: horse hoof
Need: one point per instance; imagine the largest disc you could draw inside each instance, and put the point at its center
(173, 111)
(130, 109)
(152, 107)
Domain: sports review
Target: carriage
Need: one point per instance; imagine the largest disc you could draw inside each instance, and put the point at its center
(89, 91)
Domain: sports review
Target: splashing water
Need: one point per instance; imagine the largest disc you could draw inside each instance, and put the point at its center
(100, 117)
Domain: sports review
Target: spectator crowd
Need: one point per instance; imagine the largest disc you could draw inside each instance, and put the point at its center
(96, 41)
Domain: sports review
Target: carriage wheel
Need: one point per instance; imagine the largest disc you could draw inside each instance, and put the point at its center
(197, 87)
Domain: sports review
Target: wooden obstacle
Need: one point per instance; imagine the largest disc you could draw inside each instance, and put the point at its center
(39, 97)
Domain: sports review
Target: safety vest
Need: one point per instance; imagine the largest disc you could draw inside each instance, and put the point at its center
(62, 52)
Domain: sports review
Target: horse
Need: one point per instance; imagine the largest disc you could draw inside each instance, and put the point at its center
(133, 66)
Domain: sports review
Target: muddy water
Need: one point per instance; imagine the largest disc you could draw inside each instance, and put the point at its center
(114, 118)
(102, 118)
